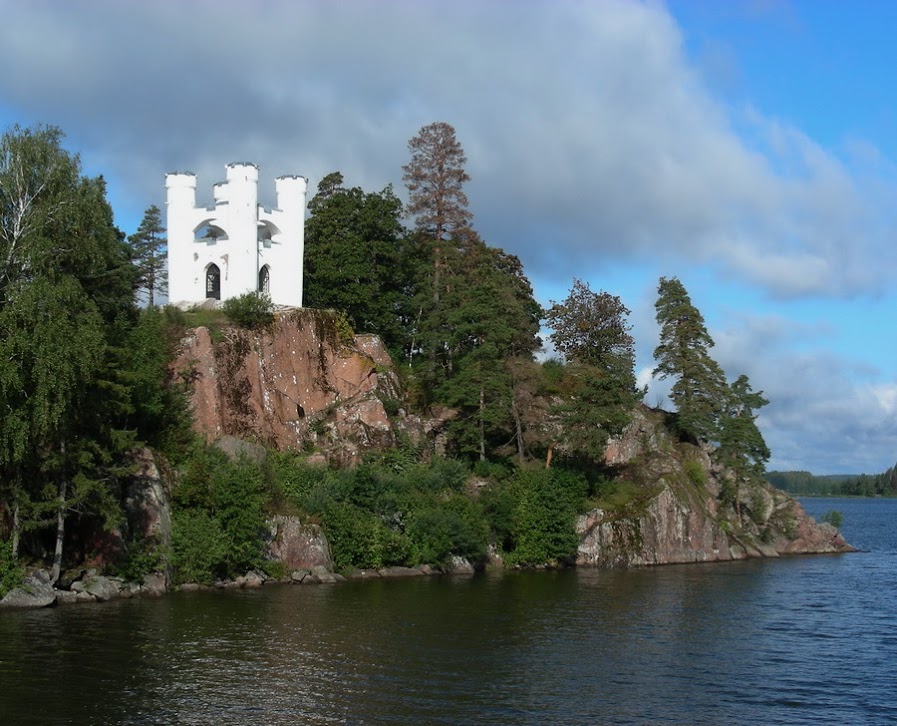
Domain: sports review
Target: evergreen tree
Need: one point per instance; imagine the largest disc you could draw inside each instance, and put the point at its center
(435, 178)
(491, 317)
(356, 260)
(741, 445)
(700, 391)
(591, 331)
(149, 252)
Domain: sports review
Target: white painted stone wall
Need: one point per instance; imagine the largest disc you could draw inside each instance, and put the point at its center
(250, 238)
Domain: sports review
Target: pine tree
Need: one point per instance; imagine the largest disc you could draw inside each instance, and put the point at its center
(149, 253)
(435, 178)
(700, 391)
(741, 445)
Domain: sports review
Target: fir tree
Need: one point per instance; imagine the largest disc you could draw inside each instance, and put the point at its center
(700, 391)
(149, 253)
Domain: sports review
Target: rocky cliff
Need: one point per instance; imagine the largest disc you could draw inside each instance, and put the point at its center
(674, 513)
(304, 382)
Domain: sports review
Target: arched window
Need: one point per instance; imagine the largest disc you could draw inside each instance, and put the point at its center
(213, 282)
(265, 280)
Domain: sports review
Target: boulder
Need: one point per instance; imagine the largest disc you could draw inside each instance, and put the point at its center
(102, 588)
(299, 546)
(36, 591)
(396, 571)
(321, 574)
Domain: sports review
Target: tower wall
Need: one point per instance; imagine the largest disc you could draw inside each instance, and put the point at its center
(238, 252)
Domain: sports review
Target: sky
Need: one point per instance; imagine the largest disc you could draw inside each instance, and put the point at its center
(747, 147)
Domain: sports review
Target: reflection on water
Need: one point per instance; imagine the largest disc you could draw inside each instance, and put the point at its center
(798, 640)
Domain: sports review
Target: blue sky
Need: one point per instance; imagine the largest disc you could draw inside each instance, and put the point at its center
(748, 147)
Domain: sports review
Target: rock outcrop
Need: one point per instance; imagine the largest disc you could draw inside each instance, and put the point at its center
(675, 515)
(304, 382)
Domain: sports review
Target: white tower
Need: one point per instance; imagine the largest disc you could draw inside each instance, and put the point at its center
(235, 246)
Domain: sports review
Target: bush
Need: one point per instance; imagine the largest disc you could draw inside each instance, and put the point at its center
(251, 310)
(834, 518)
(199, 547)
(456, 526)
(232, 495)
(544, 520)
(11, 572)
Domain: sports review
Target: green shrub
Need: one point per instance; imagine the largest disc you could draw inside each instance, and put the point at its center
(353, 537)
(695, 472)
(142, 556)
(500, 503)
(199, 547)
(233, 495)
(456, 526)
(544, 519)
(834, 518)
(11, 572)
(251, 310)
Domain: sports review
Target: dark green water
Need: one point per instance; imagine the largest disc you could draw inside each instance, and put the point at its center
(798, 640)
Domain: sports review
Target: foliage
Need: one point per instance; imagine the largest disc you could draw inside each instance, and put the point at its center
(834, 518)
(695, 472)
(227, 498)
(741, 445)
(250, 310)
(700, 390)
(356, 260)
(452, 526)
(142, 556)
(544, 519)
(435, 178)
(591, 331)
(66, 299)
(149, 253)
(11, 572)
(199, 547)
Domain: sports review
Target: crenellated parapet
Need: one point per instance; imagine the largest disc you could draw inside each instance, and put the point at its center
(236, 245)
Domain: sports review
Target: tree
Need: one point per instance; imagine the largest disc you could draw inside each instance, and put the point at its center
(66, 279)
(741, 445)
(700, 391)
(356, 261)
(591, 331)
(149, 250)
(435, 178)
(491, 317)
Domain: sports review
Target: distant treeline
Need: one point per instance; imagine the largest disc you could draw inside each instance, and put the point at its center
(851, 485)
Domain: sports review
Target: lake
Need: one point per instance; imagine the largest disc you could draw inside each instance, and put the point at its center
(799, 640)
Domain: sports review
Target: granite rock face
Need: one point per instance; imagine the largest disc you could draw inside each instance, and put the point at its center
(302, 382)
(677, 516)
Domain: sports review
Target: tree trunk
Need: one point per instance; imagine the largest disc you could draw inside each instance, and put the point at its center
(518, 427)
(482, 424)
(60, 531)
(16, 526)
(549, 455)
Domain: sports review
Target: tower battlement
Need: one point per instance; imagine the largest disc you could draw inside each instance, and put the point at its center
(235, 246)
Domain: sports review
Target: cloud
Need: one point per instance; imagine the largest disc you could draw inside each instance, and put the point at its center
(590, 134)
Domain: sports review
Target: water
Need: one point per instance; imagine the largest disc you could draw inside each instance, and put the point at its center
(790, 641)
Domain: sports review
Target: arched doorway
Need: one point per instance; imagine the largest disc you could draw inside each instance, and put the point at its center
(213, 282)
(265, 280)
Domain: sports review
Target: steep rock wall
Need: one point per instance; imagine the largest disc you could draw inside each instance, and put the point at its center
(302, 382)
(678, 517)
